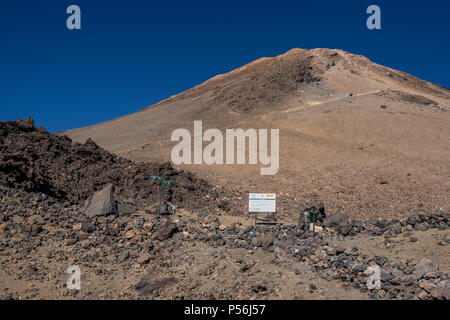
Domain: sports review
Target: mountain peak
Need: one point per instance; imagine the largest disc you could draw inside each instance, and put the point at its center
(345, 124)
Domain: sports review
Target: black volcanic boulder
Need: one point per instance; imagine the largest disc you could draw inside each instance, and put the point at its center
(318, 207)
(166, 209)
(102, 203)
(266, 241)
(166, 230)
(338, 222)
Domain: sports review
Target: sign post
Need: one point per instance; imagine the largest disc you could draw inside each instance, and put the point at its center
(163, 182)
(310, 217)
(262, 203)
(314, 222)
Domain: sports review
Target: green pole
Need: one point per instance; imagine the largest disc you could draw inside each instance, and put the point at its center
(160, 189)
(314, 222)
(160, 195)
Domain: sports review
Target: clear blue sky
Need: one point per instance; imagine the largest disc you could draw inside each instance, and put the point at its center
(131, 54)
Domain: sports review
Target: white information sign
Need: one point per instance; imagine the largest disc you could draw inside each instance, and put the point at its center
(261, 202)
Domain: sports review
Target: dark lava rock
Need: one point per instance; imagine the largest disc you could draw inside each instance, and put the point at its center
(266, 241)
(318, 207)
(153, 282)
(408, 270)
(125, 208)
(54, 166)
(258, 288)
(386, 276)
(88, 227)
(220, 242)
(381, 260)
(124, 256)
(339, 222)
(166, 231)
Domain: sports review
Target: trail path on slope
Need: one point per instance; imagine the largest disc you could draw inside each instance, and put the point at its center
(317, 103)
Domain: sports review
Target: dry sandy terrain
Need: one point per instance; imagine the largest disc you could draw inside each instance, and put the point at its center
(63, 204)
(366, 139)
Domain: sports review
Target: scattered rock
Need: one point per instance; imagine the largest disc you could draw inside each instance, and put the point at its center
(130, 234)
(338, 222)
(424, 267)
(259, 288)
(126, 208)
(3, 227)
(444, 293)
(102, 203)
(124, 256)
(266, 241)
(143, 259)
(152, 282)
(316, 228)
(386, 276)
(166, 231)
(77, 226)
(18, 219)
(427, 286)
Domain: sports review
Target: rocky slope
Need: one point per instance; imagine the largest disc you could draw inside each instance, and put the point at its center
(198, 253)
(33, 160)
(367, 139)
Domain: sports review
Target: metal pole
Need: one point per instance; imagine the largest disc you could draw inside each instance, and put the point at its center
(160, 189)
(314, 222)
(438, 260)
(160, 195)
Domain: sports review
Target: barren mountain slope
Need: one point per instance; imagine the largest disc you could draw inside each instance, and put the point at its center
(366, 139)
